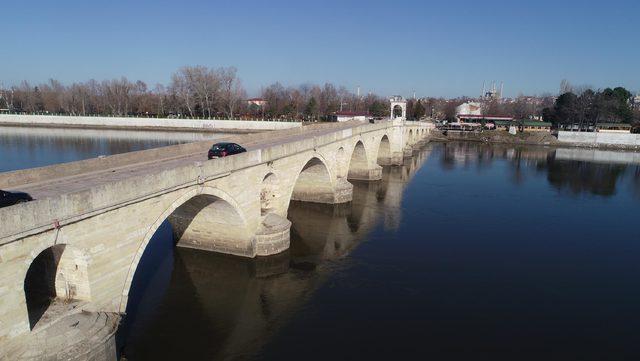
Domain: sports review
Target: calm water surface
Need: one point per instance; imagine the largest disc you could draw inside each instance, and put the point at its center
(469, 252)
(22, 148)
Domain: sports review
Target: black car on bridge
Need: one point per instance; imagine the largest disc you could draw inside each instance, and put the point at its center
(11, 198)
(219, 150)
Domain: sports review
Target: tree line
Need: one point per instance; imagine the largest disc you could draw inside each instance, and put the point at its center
(194, 91)
(199, 91)
(586, 107)
(314, 102)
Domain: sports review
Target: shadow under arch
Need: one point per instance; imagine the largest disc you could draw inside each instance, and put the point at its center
(57, 273)
(195, 200)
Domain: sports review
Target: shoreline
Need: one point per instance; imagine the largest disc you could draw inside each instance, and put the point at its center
(120, 123)
(542, 139)
(133, 128)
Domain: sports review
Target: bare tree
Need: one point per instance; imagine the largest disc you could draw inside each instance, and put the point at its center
(565, 87)
(232, 89)
(181, 88)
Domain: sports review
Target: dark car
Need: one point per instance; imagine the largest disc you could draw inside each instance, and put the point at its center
(219, 150)
(11, 198)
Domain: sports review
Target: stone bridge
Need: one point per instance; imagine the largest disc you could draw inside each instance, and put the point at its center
(267, 293)
(78, 245)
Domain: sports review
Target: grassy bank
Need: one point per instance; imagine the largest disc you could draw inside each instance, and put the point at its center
(524, 138)
(498, 136)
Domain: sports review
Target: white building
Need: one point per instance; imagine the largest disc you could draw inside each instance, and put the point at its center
(258, 102)
(347, 116)
(469, 108)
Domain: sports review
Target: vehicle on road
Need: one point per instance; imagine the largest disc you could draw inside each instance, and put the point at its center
(220, 150)
(11, 198)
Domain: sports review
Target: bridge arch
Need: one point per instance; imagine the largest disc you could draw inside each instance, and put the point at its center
(57, 273)
(314, 182)
(398, 111)
(384, 151)
(359, 162)
(194, 201)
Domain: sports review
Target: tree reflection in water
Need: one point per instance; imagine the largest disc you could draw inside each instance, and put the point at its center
(583, 177)
(575, 171)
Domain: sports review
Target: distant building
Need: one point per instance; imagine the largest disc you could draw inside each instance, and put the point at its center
(493, 93)
(259, 102)
(614, 128)
(347, 116)
(468, 108)
(636, 102)
(527, 125)
(473, 118)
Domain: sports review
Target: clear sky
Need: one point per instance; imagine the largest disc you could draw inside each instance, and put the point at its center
(443, 48)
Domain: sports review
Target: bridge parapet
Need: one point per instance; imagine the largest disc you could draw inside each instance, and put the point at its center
(45, 214)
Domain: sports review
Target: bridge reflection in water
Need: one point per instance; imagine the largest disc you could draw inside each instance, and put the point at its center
(191, 304)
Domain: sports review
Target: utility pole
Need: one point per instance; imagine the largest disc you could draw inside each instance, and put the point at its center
(342, 103)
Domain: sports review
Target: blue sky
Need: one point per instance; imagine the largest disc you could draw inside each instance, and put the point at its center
(443, 48)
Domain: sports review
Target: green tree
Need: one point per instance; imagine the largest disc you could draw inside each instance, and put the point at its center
(622, 94)
(566, 109)
(549, 115)
(311, 109)
(614, 105)
(418, 110)
(289, 110)
(378, 109)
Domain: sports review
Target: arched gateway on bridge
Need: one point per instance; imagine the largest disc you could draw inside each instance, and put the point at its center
(398, 107)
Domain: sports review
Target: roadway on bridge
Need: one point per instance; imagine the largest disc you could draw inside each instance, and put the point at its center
(65, 185)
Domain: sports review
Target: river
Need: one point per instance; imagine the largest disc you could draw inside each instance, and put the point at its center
(467, 252)
(22, 147)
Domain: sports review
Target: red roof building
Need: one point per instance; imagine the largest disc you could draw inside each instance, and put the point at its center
(260, 102)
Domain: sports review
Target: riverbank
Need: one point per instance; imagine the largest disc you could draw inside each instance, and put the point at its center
(497, 136)
(522, 138)
(163, 124)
